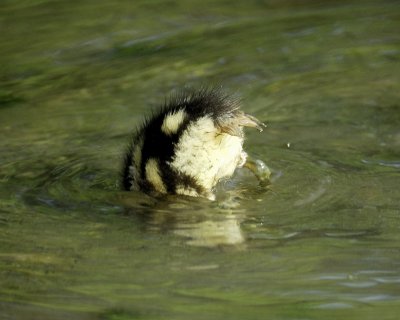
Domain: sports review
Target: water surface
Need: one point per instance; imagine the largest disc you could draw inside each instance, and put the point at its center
(321, 243)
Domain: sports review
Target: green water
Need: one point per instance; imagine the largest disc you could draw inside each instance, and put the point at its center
(322, 243)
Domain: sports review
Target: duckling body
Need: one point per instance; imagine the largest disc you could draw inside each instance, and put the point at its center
(194, 141)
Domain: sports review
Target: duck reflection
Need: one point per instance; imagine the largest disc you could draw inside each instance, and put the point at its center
(198, 221)
(211, 233)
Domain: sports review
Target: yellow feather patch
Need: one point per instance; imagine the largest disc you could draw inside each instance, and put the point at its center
(153, 175)
(172, 122)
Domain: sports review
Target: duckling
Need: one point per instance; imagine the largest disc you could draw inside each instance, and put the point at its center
(189, 145)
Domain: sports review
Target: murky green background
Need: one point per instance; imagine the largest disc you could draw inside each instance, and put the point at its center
(322, 243)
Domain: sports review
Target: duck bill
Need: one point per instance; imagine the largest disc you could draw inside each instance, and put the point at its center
(247, 120)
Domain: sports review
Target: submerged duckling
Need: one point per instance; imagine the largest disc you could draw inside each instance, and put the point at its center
(193, 142)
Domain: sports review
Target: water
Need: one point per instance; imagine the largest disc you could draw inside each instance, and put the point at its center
(321, 243)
